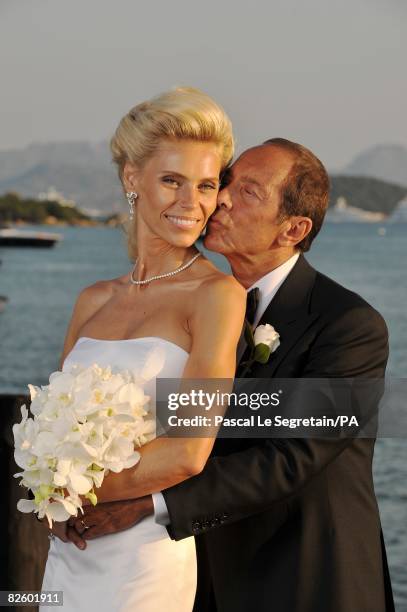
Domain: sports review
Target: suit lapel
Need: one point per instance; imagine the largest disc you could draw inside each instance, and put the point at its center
(289, 313)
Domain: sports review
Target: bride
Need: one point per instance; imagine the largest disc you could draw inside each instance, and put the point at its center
(173, 306)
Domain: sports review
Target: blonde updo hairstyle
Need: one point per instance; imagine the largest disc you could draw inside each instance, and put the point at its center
(182, 113)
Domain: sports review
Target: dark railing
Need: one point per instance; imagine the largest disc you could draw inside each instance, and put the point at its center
(24, 541)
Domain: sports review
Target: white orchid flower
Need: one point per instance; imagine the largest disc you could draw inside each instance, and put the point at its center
(71, 474)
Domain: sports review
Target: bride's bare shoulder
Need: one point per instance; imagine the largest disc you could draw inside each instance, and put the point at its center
(98, 293)
(221, 287)
(103, 290)
(89, 301)
(218, 312)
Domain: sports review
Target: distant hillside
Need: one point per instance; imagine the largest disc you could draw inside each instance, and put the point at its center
(84, 173)
(385, 162)
(367, 193)
(15, 209)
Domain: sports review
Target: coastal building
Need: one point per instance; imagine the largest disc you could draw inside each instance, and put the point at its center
(53, 195)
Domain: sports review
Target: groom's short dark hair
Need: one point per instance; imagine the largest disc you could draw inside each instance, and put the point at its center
(305, 191)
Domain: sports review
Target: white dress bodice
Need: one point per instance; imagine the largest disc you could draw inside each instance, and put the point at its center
(131, 354)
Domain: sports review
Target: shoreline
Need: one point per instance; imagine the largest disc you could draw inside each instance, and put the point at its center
(20, 223)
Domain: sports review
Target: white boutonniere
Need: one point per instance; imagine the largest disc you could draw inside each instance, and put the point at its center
(263, 341)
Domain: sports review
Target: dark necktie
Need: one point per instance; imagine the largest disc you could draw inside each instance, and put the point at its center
(251, 304)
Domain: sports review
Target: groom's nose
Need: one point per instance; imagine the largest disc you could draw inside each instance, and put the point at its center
(224, 200)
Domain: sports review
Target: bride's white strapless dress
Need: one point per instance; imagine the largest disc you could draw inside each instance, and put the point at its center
(140, 569)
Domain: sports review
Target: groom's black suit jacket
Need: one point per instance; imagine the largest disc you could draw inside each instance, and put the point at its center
(292, 525)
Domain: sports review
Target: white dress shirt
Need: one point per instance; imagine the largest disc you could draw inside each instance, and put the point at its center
(268, 286)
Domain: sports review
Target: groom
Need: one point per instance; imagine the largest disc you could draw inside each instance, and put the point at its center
(282, 525)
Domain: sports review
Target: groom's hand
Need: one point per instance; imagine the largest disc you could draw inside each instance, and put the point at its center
(111, 517)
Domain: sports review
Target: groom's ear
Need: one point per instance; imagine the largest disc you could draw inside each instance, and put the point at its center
(293, 231)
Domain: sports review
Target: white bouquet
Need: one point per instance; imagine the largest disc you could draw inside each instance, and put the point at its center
(87, 421)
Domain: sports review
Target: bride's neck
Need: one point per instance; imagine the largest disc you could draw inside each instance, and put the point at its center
(158, 257)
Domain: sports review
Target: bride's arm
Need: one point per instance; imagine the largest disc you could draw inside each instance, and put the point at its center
(215, 328)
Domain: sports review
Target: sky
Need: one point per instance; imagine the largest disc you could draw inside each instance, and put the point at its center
(326, 73)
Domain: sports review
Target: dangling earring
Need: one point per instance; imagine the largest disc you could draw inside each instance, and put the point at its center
(131, 198)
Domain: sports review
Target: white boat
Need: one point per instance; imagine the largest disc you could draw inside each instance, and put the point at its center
(400, 213)
(16, 238)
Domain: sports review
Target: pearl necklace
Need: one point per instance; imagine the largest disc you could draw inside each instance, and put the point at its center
(158, 276)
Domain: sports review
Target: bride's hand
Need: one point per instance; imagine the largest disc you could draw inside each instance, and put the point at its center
(65, 532)
(59, 529)
(110, 517)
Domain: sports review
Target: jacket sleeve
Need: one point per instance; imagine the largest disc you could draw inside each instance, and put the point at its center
(235, 486)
